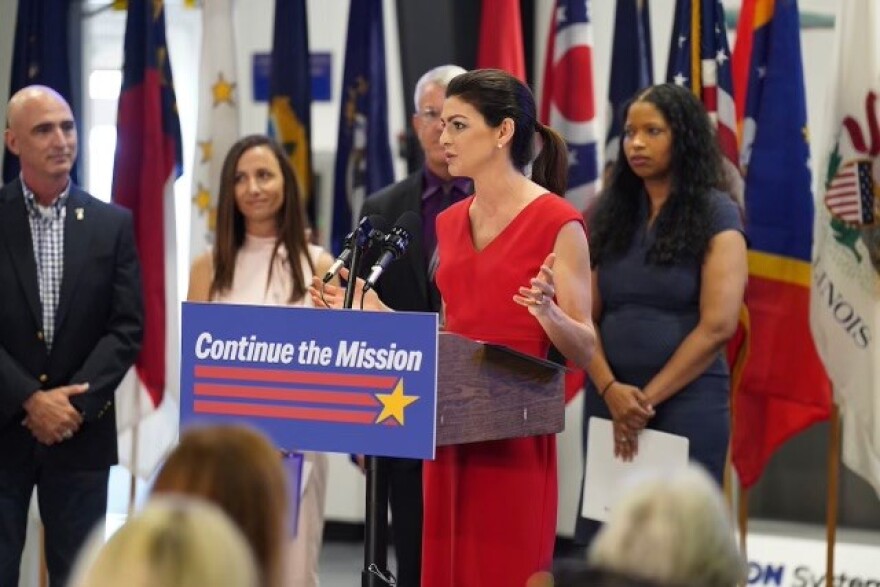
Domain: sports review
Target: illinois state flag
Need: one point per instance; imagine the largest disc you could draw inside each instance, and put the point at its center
(845, 296)
(783, 386)
(148, 155)
(217, 128)
(290, 100)
(363, 152)
(631, 67)
(568, 104)
(501, 38)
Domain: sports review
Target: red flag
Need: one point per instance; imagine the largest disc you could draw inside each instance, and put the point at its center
(783, 388)
(501, 40)
(148, 156)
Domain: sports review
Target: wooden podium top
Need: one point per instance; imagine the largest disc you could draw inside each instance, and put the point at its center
(490, 392)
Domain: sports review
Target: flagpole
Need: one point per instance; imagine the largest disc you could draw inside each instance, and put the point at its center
(132, 488)
(742, 511)
(833, 485)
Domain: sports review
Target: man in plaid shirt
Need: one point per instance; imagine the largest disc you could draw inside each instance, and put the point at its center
(71, 322)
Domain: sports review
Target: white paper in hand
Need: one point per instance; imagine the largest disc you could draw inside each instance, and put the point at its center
(607, 476)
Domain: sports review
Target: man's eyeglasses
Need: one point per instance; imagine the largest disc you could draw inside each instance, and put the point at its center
(429, 116)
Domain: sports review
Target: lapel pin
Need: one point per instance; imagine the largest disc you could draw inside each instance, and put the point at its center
(80, 213)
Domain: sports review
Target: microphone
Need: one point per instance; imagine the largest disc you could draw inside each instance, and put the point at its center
(394, 245)
(370, 228)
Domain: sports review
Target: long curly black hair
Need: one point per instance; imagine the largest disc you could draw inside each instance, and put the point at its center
(696, 168)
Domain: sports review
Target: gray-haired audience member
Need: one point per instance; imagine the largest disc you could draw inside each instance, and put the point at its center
(673, 529)
(172, 542)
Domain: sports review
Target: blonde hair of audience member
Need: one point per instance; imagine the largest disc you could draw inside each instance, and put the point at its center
(673, 529)
(172, 542)
(238, 469)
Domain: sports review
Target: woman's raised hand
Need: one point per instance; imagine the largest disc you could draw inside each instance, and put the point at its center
(539, 295)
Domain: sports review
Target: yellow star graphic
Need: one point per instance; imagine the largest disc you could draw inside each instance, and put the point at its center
(393, 403)
(202, 199)
(207, 148)
(222, 91)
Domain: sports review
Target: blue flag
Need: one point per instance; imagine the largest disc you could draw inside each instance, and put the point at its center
(39, 57)
(363, 155)
(631, 66)
(783, 388)
(290, 99)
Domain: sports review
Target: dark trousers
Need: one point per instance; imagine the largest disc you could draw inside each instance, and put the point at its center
(72, 502)
(405, 501)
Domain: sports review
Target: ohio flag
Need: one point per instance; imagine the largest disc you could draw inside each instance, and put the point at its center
(568, 104)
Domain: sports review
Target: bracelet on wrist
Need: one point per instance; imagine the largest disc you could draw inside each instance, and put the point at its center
(607, 387)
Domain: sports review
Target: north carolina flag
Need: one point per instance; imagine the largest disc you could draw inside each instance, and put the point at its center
(39, 56)
(568, 104)
(217, 129)
(632, 67)
(845, 300)
(290, 99)
(148, 160)
(363, 152)
(501, 38)
(783, 387)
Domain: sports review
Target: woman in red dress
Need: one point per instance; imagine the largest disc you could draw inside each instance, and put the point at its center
(513, 269)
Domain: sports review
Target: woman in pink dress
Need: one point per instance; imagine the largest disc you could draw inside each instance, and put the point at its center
(261, 256)
(513, 269)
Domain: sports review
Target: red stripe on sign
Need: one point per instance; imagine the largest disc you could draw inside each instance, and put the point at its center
(283, 412)
(292, 395)
(289, 376)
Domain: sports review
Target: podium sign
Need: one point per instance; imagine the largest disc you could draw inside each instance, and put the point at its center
(323, 380)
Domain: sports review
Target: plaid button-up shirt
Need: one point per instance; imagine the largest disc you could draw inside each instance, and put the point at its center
(47, 234)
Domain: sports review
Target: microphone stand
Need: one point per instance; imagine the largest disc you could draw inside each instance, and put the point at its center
(375, 572)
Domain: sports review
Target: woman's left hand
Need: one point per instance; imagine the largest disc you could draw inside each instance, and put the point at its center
(539, 297)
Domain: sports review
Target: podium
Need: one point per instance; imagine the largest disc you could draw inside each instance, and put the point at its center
(484, 392)
(490, 392)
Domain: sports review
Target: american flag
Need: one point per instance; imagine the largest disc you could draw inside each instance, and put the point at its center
(850, 195)
(568, 104)
(699, 58)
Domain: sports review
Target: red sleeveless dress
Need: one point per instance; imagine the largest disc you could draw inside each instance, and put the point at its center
(490, 507)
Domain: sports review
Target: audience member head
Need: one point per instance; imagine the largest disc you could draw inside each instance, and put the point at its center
(172, 542)
(673, 529)
(507, 106)
(238, 469)
(668, 139)
(259, 195)
(429, 94)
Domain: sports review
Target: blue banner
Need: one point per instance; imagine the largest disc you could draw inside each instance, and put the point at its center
(322, 380)
(363, 153)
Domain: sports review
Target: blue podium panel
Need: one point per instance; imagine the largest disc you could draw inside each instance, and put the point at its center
(324, 380)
